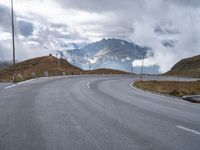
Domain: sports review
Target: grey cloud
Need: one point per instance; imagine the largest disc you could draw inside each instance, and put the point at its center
(191, 3)
(5, 18)
(60, 32)
(166, 28)
(109, 31)
(54, 35)
(101, 5)
(169, 43)
(5, 50)
(25, 28)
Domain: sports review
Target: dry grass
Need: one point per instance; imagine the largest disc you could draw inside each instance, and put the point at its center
(39, 65)
(175, 88)
(105, 71)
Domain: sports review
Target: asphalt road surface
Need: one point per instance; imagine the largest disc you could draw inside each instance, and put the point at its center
(94, 113)
(4, 85)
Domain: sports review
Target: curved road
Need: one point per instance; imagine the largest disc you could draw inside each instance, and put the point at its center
(94, 113)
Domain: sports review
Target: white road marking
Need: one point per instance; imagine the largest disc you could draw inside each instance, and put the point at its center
(10, 86)
(13, 85)
(146, 92)
(26, 81)
(88, 85)
(154, 93)
(189, 130)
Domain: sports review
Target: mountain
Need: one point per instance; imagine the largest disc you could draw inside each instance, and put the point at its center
(188, 67)
(108, 53)
(37, 67)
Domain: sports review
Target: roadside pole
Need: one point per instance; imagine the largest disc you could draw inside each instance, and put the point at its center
(132, 69)
(13, 42)
(89, 65)
(141, 74)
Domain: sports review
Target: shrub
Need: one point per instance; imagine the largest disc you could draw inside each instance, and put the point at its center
(174, 93)
(19, 78)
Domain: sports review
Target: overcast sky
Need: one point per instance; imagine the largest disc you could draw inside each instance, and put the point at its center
(170, 27)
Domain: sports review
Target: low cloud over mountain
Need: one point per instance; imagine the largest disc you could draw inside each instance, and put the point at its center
(112, 53)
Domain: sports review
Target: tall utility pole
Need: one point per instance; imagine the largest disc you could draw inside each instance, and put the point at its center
(89, 65)
(13, 41)
(142, 68)
(132, 69)
(57, 59)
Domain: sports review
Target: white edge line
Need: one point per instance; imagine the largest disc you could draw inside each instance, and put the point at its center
(13, 85)
(88, 85)
(153, 94)
(189, 130)
(25, 81)
(147, 92)
(10, 86)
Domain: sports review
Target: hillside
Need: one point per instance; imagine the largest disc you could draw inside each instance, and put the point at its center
(105, 71)
(188, 67)
(39, 65)
(54, 66)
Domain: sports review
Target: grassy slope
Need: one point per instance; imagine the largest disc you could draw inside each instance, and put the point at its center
(189, 67)
(39, 65)
(174, 88)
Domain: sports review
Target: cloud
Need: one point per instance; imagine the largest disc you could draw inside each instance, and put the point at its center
(26, 28)
(5, 19)
(191, 3)
(148, 62)
(170, 43)
(103, 5)
(166, 28)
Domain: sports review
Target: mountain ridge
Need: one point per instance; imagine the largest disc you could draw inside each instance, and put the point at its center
(108, 53)
(187, 67)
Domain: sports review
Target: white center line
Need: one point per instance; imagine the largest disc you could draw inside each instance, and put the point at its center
(88, 85)
(189, 130)
(8, 87)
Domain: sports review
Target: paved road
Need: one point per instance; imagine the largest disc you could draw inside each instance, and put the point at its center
(94, 113)
(4, 85)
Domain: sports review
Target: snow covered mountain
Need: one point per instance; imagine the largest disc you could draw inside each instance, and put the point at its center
(109, 53)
